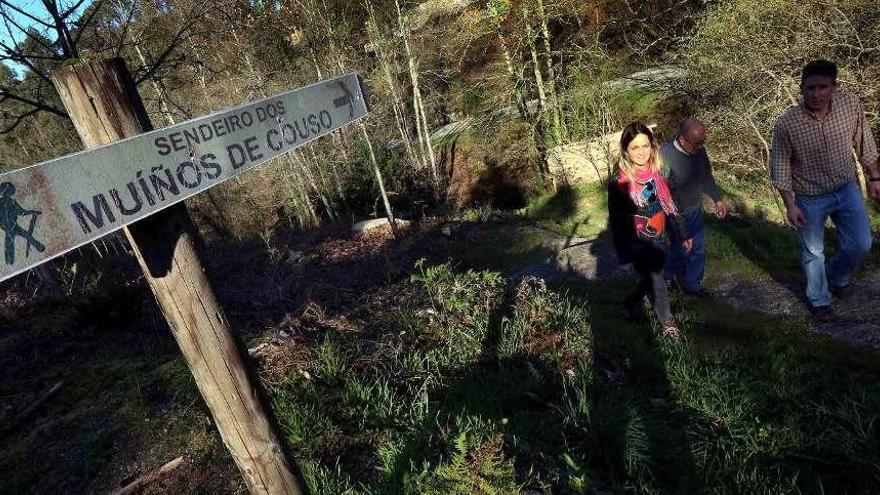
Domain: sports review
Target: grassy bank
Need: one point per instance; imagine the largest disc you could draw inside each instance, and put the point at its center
(470, 383)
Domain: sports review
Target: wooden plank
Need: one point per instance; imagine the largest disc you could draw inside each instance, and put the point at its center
(40, 400)
(149, 477)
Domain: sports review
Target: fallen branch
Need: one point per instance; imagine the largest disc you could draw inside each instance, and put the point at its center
(149, 477)
(253, 351)
(40, 400)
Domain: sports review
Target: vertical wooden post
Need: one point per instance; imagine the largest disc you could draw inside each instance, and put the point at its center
(104, 105)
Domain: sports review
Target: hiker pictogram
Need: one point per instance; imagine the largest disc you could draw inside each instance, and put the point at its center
(10, 210)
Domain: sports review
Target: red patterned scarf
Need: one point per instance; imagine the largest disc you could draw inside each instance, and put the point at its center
(642, 177)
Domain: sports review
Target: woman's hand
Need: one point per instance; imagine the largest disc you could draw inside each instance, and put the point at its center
(687, 244)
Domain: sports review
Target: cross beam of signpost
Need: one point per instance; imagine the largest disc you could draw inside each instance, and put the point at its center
(53, 207)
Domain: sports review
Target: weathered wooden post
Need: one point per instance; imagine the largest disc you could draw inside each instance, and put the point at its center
(104, 105)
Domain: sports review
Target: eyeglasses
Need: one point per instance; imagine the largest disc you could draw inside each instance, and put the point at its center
(696, 145)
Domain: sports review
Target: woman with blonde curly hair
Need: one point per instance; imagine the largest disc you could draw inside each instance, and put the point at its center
(639, 209)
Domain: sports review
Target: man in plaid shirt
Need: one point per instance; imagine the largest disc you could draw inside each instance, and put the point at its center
(813, 165)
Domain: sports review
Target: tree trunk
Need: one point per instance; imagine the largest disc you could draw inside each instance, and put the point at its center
(169, 120)
(538, 138)
(429, 144)
(511, 72)
(551, 74)
(339, 137)
(163, 103)
(209, 106)
(536, 65)
(396, 100)
(299, 188)
(104, 105)
(418, 108)
(423, 153)
(289, 156)
(328, 28)
(337, 179)
(24, 148)
(380, 182)
(538, 125)
(310, 179)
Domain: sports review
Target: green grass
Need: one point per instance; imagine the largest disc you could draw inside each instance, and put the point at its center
(532, 386)
(507, 247)
(754, 242)
(462, 381)
(750, 249)
(548, 388)
(639, 104)
(593, 108)
(581, 210)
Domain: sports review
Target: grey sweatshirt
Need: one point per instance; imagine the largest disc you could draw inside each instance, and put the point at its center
(690, 176)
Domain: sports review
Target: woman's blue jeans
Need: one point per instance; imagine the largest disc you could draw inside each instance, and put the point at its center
(846, 208)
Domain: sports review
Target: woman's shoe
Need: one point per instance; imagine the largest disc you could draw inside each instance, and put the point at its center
(671, 330)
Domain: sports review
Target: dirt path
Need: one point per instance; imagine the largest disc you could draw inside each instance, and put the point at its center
(857, 321)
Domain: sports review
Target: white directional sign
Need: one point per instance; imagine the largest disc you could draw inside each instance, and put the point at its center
(55, 206)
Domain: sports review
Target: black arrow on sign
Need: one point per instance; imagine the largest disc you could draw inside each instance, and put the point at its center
(347, 99)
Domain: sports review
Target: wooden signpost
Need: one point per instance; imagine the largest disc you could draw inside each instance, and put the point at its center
(51, 208)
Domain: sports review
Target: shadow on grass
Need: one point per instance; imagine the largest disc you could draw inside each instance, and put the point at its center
(260, 283)
(747, 245)
(127, 404)
(560, 206)
(769, 246)
(749, 414)
(496, 184)
(603, 419)
(711, 417)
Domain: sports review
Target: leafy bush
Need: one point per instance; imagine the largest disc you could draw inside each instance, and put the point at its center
(455, 311)
(474, 468)
(544, 325)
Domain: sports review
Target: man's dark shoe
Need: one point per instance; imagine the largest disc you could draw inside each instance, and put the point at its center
(822, 313)
(841, 292)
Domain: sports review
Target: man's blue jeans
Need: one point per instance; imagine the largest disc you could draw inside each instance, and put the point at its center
(846, 208)
(689, 267)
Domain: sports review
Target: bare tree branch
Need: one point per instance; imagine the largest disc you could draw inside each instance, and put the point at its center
(68, 47)
(26, 14)
(177, 40)
(18, 120)
(88, 20)
(67, 13)
(128, 20)
(7, 19)
(63, 39)
(5, 94)
(30, 56)
(25, 60)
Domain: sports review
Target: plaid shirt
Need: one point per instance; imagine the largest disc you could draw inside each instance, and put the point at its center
(813, 156)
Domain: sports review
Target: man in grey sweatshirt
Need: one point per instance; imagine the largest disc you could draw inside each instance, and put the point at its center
(690, 177)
